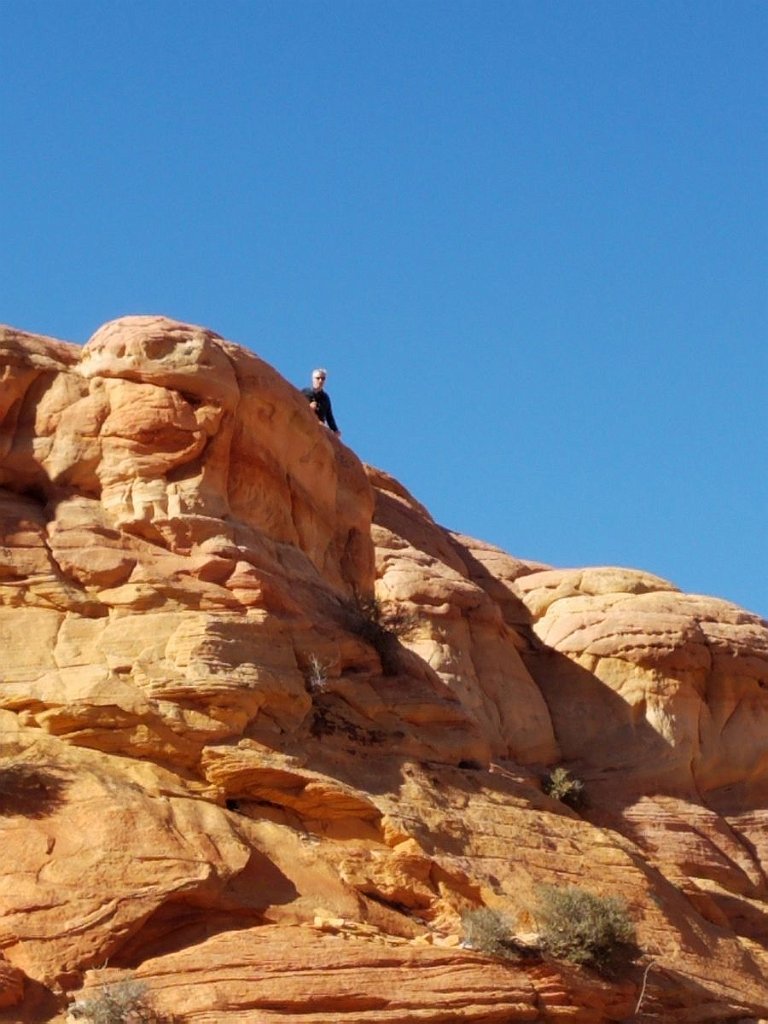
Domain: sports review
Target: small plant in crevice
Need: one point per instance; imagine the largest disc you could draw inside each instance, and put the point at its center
(399, 620)
(127, 1001)
(562, 786)
(582, 927)
(316, 674)
(367, 619)
(488, 931)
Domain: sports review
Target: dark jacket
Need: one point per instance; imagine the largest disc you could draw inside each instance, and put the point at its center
(324, 412)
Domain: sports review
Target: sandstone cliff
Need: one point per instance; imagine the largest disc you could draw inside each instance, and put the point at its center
(224, 775)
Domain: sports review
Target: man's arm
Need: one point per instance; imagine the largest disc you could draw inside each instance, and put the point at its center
(312, 399)
(329, 418)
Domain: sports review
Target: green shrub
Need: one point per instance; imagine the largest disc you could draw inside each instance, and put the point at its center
(582, 927)
(561, 785)
(487, 931)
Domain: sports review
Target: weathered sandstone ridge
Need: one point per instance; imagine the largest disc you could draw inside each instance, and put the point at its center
(218, 778)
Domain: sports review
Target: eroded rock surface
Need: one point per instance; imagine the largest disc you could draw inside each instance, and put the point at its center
(227, 773)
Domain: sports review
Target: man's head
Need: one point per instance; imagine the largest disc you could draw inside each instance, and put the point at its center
(318, 378)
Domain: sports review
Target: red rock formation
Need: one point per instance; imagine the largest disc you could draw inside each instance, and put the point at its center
(228, 774)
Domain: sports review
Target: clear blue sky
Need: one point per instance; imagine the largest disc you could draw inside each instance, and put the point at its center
(529, 239)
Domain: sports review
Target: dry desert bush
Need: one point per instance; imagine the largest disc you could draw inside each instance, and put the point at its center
(127, 1001)
(488, 931)
(581, 927)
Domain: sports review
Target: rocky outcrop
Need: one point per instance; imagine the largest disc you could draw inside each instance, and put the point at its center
(229, 773)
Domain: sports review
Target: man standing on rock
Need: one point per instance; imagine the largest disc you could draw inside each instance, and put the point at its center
(320, 401)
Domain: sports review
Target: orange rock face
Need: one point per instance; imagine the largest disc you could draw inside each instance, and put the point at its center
(231, 778)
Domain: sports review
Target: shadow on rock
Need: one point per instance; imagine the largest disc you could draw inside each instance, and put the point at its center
(30, 790)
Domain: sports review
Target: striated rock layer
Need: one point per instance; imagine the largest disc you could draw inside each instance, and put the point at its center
(228, 775)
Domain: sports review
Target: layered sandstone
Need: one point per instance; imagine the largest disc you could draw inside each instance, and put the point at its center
(221, 777)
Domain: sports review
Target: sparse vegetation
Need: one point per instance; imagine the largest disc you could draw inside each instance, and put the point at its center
(380, 626)
(365, 618)
(581, 927)
(317, 674)
(487, 930)
(331, 717)
(127, 1001)
(562, 786)
(398, 620)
